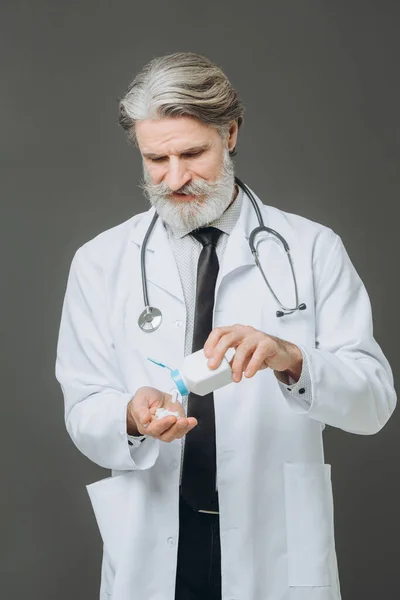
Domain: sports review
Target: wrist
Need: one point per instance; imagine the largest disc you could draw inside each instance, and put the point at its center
(295, 367)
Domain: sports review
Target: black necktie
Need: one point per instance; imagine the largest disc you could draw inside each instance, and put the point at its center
(199, 461)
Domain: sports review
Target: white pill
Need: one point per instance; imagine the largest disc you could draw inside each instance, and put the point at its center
(162, 412)
(174, 395)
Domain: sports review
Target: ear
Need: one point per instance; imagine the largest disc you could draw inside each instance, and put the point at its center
(232, 135)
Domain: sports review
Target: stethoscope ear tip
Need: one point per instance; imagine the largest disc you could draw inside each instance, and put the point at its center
(280, 313)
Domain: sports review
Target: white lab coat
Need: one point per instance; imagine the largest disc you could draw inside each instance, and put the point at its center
(276, 511)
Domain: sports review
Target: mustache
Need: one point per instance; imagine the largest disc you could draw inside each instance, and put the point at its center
(199, 187)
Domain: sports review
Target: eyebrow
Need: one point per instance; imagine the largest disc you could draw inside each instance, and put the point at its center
(192, 150)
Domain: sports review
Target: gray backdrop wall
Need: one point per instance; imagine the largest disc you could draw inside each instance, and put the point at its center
(320, 82)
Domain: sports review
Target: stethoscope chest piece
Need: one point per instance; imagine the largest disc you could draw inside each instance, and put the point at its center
(150, 319)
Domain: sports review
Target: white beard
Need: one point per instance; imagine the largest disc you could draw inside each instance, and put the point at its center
(188, 215)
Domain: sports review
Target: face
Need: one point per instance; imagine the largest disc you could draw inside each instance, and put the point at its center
(188, 173)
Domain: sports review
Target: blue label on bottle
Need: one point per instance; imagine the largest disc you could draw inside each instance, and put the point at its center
(180, 384)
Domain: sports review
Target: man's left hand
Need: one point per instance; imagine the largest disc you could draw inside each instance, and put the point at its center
(255, 350)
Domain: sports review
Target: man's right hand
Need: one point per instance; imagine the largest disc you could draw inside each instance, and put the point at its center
(141, 419)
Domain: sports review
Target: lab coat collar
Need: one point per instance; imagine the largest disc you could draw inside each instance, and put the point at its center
(161, 268)
(237, 252)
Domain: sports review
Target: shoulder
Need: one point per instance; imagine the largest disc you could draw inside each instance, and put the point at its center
(299, 230)
(106, 247)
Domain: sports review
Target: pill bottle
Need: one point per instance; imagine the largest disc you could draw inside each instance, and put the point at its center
(194, 375)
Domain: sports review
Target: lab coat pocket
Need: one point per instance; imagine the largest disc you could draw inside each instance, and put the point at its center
(309, 524)
(110, 500)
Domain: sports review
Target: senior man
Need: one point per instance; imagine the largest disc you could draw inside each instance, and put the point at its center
(232, 499)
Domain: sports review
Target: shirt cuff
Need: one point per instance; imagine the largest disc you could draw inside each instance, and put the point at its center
(134, 441)
(298, 394)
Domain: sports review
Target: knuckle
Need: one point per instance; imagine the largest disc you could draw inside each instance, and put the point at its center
(264, 344)
(216, 332)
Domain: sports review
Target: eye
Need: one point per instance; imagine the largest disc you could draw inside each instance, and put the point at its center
(158, 160)
(192, 154)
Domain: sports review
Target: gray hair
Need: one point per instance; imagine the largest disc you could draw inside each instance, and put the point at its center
(183, 84)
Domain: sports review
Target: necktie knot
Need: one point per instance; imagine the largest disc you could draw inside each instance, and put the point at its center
(207, 235)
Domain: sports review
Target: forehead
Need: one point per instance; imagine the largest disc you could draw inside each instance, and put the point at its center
(173, 135)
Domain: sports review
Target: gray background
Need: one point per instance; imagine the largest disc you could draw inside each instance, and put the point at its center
(320, 82)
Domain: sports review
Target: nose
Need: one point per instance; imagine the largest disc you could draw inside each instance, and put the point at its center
(177, 175)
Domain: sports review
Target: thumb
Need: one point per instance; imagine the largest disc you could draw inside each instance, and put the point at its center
(144, 416)
(141, 410)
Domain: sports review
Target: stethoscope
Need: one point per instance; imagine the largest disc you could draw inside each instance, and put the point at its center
(151, 318)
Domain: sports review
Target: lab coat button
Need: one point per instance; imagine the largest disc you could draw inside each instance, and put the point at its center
(171, 541)
(178, 323)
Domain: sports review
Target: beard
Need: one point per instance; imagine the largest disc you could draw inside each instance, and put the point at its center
(210, 202)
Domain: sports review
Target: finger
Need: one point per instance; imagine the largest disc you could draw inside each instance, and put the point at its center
(142, 416)
(245, 362)
(229, 340)
(188, 428)
(182, 427)
(176, 431)
(141, 405)
(244, 353)
(261, 353)
(158, 427)
(214, 338)
(141, 411)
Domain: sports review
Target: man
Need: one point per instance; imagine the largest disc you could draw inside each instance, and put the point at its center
(231, 499)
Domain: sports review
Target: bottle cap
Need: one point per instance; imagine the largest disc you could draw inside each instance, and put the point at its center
(180, 384)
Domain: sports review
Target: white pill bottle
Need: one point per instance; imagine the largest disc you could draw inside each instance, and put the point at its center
(194, 375)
